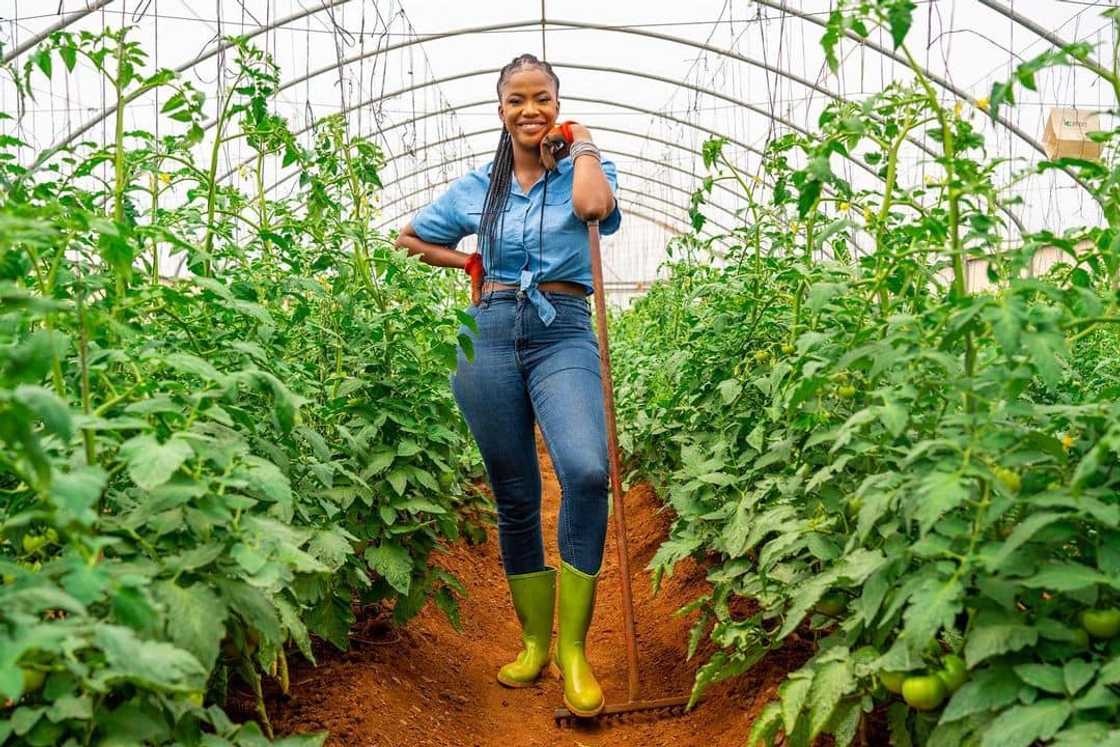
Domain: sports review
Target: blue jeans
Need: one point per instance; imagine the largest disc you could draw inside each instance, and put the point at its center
(524, 372)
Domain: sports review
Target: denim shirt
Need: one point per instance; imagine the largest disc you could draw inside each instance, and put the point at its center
(518, 257)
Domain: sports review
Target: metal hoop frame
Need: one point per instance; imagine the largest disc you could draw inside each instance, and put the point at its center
(543, 22)
(709, 92)
(481, 102)
(397, 216)
(946, 84)
(1017, 18)
(110, 110)
(671, 167)
(61, 24)
(624, 172)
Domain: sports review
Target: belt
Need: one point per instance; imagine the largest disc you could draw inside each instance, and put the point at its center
(535, 292)
(552, 286)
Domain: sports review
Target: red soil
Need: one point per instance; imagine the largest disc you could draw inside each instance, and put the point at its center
(426, 684)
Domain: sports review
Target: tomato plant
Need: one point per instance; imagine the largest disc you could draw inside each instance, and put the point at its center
(912, 448)
(202, 471)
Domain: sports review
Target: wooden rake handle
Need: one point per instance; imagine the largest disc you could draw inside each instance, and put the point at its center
(615, 463)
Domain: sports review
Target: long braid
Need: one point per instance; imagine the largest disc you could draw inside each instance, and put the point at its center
(501, 174)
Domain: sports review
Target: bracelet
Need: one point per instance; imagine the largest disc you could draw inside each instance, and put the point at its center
(584, 148)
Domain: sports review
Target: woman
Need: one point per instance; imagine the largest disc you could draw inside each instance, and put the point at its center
(535, 358)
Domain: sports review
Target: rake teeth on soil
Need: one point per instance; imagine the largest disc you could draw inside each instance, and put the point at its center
(659, 708)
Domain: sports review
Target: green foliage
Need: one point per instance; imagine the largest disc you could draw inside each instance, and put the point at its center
(880, 459)
(201, 472)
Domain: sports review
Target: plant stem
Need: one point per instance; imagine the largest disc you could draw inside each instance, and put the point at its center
(888, 198)
(212, 179)
(960, 286)
(155, 243)
(262, 206)
(83, 358)
(119, 176)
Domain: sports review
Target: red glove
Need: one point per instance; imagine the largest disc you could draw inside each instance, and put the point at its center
(566, 130)
(474, 268)
(554, 145)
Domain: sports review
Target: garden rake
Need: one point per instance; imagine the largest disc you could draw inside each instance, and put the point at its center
(634, 702)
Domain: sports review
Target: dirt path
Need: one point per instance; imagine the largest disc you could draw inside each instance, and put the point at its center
(427, 684)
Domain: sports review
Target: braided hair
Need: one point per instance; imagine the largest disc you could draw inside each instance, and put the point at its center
(501, 174)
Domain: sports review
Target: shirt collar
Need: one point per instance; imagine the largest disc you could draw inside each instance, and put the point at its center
(563, 166)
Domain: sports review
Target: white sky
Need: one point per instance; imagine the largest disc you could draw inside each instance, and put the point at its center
(659, 159)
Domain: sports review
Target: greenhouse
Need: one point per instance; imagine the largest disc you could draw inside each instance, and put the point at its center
(742, 372)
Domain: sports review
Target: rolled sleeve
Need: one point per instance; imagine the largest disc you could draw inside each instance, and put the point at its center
(441, 221)
(611, 223)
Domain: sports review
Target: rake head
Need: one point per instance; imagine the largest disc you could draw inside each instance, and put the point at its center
(659, 708)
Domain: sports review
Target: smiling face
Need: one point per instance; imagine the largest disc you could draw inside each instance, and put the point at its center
(528, 106)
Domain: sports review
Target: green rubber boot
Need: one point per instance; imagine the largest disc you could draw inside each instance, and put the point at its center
(582, 694)
(534, 600)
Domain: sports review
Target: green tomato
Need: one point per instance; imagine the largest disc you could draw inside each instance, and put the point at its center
(196, 698)
(788, 348)
(924, 692)
(51, 535)
(892, 681)
(32, 680)
(1009, 477)
(761, 356)
(953, 672)
(32, 543)
(1101, 623)
(847, 391)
